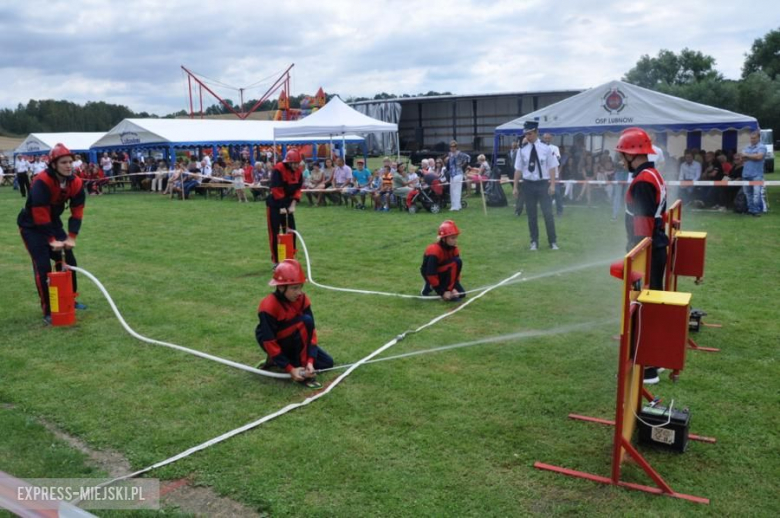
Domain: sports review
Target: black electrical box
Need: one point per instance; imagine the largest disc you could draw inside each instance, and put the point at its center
(662, 430)
(694, 320)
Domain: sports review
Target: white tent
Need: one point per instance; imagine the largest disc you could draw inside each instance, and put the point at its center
(335, 118)
(196, 132)
(610, 108)
(616, 105)
(42, 143)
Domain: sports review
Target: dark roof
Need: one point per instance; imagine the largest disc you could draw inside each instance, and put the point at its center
(468, 96)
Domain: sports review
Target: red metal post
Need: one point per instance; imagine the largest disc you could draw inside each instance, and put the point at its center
(193, 76)
(283, 79)
(189, 87)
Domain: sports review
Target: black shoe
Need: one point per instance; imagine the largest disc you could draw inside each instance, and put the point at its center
(265, 364)
(47, 320)
(426, 290)
(651, 376)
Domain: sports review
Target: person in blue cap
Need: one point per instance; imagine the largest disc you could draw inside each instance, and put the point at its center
(536, 164)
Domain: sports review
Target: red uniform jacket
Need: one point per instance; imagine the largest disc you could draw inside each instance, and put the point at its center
(46, 203)
(285, 186)
(645, 207)
(437, 258)
(280, 318)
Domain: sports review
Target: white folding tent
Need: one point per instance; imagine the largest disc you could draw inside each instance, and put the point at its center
(335, 119)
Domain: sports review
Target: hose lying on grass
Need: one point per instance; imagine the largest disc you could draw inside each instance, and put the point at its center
(170, 345)
(313, 398)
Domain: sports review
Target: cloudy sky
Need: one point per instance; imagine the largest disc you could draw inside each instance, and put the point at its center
(129, 52)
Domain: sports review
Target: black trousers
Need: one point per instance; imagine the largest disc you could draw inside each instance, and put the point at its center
(657, 267)
(276, 223)
(449, 278)
(42, 255)
(23, 179)
(537, 192)
(294, 344)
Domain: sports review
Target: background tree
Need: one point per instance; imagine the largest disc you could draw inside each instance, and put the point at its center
(670, 69)
(764, 56)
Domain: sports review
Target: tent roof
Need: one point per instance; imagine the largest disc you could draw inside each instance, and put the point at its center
(44, 142)
(616, 105)
(335, 118)
(142, 132)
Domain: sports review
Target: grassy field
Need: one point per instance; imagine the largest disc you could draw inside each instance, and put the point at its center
(448, 434)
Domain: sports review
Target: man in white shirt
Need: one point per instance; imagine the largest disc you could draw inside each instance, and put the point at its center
(537, 165)
(22, 166)
(658, 159)
(38, 166)
(690, 170)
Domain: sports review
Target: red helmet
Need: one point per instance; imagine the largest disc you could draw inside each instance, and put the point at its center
(59, 151)
(448, 228)
(292, 156)
(635, 141)
(288, 272)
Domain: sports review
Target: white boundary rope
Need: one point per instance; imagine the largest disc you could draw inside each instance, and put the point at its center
(311, 399)
(368, 292)
(170, 345)
(683, 183)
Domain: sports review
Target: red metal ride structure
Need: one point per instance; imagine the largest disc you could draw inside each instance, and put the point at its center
(283, 81)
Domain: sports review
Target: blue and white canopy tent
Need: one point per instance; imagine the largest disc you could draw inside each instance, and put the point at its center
(42, 143)
(608, 109)
(166, 135)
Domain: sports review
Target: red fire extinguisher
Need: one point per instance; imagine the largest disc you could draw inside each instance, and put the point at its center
(285, 242)
(61, 297)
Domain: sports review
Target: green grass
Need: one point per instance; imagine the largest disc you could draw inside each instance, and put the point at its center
(451, 433)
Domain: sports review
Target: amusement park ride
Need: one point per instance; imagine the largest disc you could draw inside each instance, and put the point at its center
(284, 112)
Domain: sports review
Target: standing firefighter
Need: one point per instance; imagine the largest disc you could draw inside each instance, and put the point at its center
(40, 224)
(286, 330)
(645, 200)
(442, 265)
(645, 207)
(286, 183)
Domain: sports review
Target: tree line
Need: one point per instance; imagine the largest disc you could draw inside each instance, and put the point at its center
(50, 116)
(692, 75)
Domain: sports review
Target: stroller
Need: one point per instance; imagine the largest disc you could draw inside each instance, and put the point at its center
(430, 195)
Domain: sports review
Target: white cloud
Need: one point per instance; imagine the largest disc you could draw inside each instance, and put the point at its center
(130, 52)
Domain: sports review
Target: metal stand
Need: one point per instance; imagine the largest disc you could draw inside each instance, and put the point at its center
(629, 393)
(673, 225)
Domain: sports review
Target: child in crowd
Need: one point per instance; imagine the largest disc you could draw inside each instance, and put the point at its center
(286, 331)
(442, 265)
(238, 184)
(382, 199)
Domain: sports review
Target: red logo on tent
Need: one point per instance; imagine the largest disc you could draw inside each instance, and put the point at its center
(614, 101)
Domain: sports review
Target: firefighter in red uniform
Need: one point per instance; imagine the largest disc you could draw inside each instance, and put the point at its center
(645, 200)
(645, 207)
(286, 183)
(441, 265)
(286, 330)
(40, 224)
